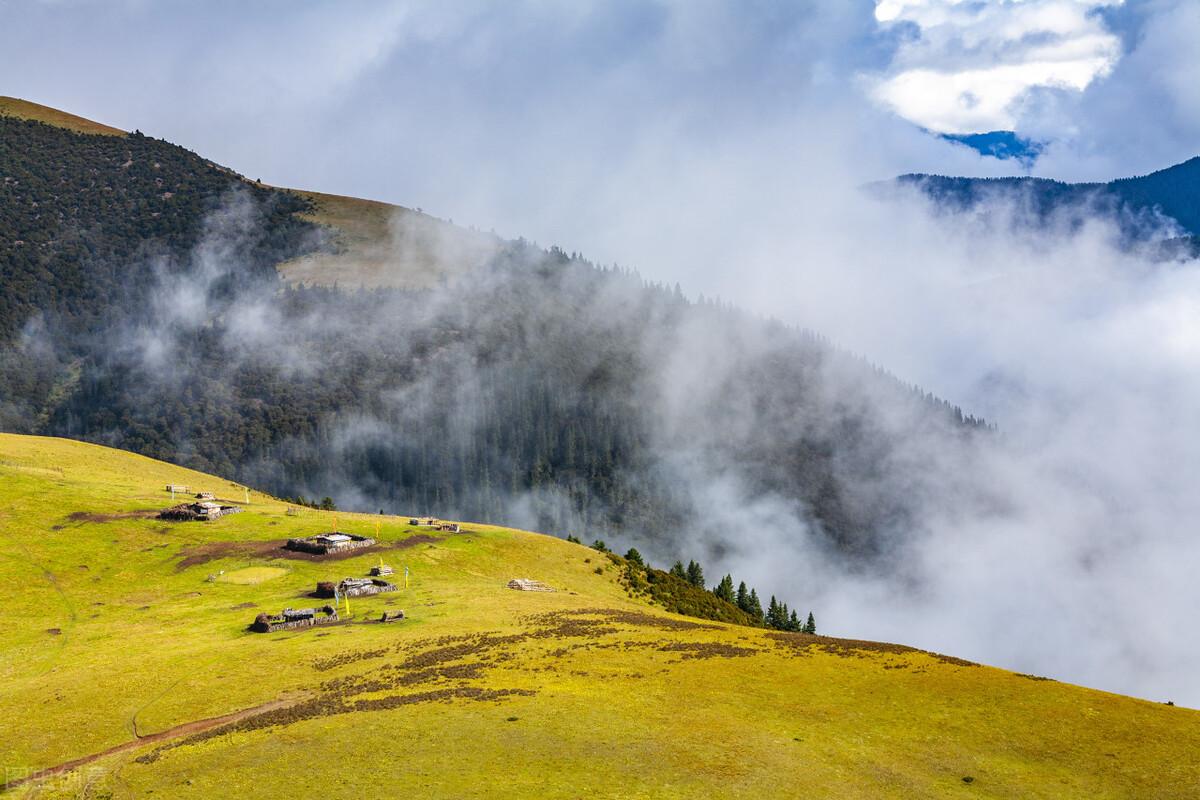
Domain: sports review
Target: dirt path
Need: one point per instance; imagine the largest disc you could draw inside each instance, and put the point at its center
(185, 729)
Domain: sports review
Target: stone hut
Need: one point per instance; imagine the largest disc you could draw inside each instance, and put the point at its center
(363, 587)
(328, 543)
(527, 585)
(202, 511)
(294, 619)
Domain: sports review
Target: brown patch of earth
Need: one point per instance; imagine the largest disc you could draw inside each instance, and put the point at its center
(274, 548)
(800, 643)
(90, 516)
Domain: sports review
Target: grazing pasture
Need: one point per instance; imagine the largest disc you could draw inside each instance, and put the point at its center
(128, 673)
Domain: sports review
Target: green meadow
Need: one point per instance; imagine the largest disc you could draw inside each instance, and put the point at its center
(126, 652)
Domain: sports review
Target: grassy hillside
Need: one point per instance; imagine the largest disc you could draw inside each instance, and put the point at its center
(381, 245)
(24, 109)
(372, 244)
(117, 640)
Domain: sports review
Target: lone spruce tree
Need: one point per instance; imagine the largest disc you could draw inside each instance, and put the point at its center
(695, 574)
(811, 625)
(743, 596)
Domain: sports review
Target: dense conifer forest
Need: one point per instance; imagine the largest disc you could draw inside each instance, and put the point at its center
(140, 309)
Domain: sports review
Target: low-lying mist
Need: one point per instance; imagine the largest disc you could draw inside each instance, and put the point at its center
(1083, 351)
(544, 392)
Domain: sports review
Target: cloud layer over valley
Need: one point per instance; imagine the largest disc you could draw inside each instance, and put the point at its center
(726, 147)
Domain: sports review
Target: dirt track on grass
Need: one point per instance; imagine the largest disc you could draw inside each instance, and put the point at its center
(186, 729)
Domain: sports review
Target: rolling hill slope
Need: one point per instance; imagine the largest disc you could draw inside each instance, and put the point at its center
(141, 306)
(24, 109)
(370, 244)
(127, 635)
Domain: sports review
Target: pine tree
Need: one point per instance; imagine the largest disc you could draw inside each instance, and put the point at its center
(678, 571)
(794, 623)
(777, 614)
(754, 608)
(635, 557)
(743, 596)
(724, 589)
(811, 625)
(695, 574)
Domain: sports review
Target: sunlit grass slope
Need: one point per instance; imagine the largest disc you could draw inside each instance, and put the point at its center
(370, 244)
(113, 631)
(378, 245)
(24, 109)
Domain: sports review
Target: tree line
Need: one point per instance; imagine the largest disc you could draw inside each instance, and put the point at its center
(641, 577)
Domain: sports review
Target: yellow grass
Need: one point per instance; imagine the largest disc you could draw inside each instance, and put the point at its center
(249, 576)
(24, 109)
(112, 630)
(381, 245)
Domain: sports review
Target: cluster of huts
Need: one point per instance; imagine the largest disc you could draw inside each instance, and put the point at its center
(206, 507)
(291, 619)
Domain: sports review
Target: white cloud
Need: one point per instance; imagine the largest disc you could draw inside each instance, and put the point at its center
(966, 66)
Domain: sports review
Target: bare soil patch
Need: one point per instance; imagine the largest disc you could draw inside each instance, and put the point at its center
(707, 650)
(90, 516)
(801, 643)
(199, 554)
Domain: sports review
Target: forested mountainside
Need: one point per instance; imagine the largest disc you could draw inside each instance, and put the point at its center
(86, 221)
(1139, 204)
(141, 310)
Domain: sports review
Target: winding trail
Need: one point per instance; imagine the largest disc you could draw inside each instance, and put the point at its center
(185, 729)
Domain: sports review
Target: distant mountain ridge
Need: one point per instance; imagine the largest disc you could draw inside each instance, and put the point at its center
(1141, 204)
